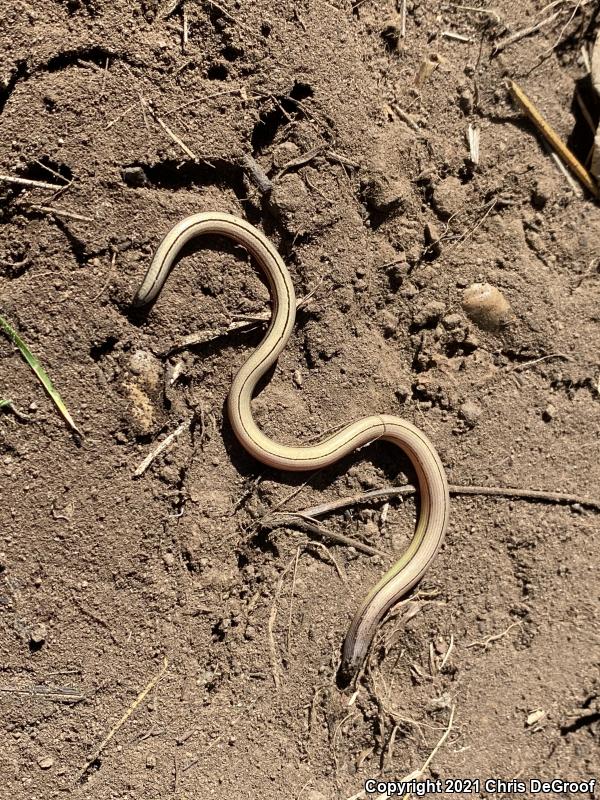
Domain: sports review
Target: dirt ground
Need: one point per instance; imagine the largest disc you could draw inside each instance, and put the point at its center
(143, 113)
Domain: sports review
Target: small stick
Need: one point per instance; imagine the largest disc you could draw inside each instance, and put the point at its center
(586, 58)
(466, 234)
(18, 414)
(488, 12)
(214, 333)
(438, 745)
(28, 182)
(403, 19)
(553, 138)
(185, 30)
(448, 651)
(304, 523)
(338, 159)
(162, 446)
(584, 110)
(289, 630)
(176, 138)
(494, 638)
(104, 77)
(565, 26)
(256, 174)
(271, 624)
(53, 172)
(417, 774)
(56, 694)
(139, 699)
(122, 114)
(305, 158)
(108, 277)
(58, 212)
(563, 170)
(527, 364)
(457, 36)
(296, 491)
(523, 33)
(331, 557)
(406, 118)
(487, 491)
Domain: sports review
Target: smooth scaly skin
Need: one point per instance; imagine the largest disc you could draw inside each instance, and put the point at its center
(431, 478)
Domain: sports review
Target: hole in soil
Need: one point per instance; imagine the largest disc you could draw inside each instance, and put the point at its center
(270, 121)
(581, 722)
(5, 91)
(16, 264)
(582, 136)
(231, 53)
(217, 631)
(172, 174)
(102, 349)
(76, 5)
(35, 170)
(68, 58)
(217, 72)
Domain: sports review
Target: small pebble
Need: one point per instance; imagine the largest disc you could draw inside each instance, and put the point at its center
(470, 412)
(45, 762)
(433, 237)
(134, 176)
(486, 306)
(169, 559)
(38, 634)
(452, 321)
(151, 762)
(250, 632)
(549, 413)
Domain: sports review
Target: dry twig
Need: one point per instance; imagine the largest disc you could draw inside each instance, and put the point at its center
(521, 34)
(494, 638)
(304, 523)
(486, 491)
(57, 212)
(161, 447)
(116, 727)
(32, 184)
(553, 139)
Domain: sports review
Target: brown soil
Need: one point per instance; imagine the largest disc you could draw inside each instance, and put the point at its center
(103, 575)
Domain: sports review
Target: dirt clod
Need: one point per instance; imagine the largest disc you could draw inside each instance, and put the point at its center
(449, 196)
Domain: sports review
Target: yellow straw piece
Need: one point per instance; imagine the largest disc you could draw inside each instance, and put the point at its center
(553, 139)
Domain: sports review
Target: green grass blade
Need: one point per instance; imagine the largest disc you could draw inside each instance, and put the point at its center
(40, 372)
